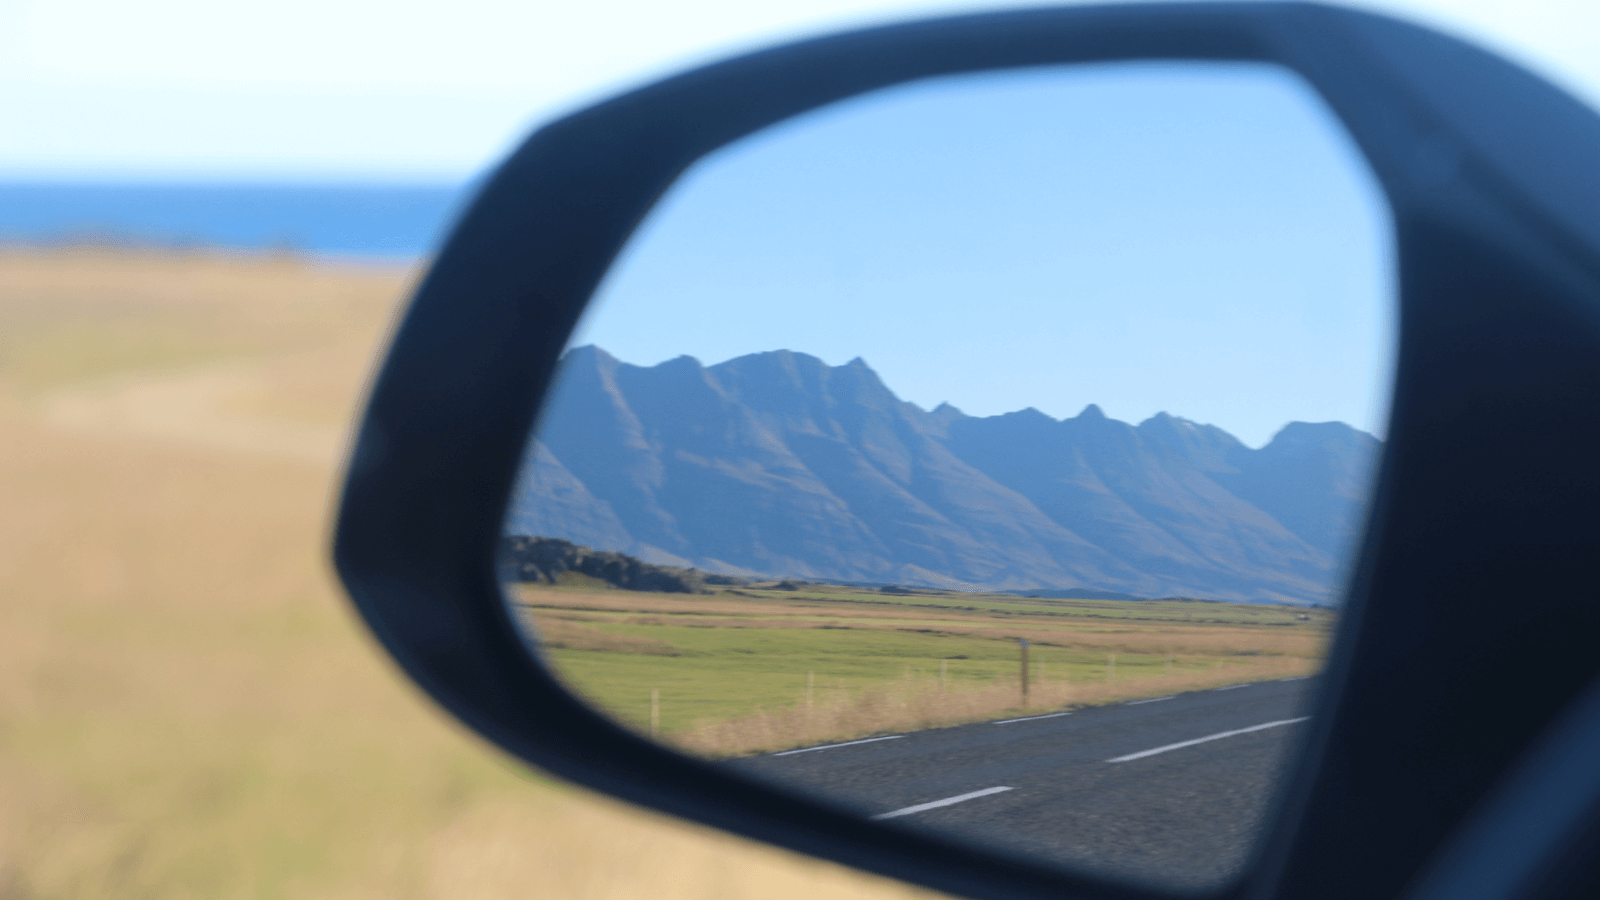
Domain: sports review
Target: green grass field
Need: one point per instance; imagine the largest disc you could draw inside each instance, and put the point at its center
(810, 657)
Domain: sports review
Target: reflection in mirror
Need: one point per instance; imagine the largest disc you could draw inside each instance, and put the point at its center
(982, 456)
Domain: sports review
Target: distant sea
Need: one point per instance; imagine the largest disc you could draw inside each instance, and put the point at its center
(352, 220)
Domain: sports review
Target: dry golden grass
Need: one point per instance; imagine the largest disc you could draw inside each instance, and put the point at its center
(188, 709)
(913, 704)
(1162, 638)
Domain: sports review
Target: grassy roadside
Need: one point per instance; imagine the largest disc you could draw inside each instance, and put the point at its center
(756, 670)
(187, 707)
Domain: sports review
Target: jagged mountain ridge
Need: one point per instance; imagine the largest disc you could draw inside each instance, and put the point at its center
(778, 464)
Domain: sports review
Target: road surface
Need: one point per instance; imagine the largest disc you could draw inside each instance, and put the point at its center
(1171, 790)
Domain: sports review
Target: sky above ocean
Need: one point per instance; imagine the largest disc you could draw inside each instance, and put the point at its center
(402, 90)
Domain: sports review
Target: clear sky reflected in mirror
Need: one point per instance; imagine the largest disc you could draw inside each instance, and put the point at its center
(1116, 225)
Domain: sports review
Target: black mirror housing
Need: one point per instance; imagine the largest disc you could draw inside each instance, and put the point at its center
(1473, 616)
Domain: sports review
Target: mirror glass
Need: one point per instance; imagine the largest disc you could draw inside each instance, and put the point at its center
(983, 456)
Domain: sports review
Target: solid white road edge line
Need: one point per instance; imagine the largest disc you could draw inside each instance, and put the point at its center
(845, 744)
(1210, 737)
(1030, 718)
(1233, 686)
(948, 801)
(1151, 700)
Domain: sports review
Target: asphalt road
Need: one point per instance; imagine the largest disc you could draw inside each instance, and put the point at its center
(1170, 791)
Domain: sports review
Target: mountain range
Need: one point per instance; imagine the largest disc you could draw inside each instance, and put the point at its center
(777, 464)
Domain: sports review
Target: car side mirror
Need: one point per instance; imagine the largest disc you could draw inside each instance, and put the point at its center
(1468, 616)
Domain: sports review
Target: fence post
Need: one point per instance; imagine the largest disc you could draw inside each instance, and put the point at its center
(655, 711)
(1024, 643)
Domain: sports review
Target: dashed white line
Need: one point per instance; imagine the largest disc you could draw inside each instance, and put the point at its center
(1210, 737)
(1151, 700)
(845, 744)
(1030, 718)
(948, 801)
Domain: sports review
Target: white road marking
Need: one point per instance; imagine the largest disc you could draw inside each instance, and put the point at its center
(1030, 718)
(845, 744)
(1151, 700)
(1296, 678)
(1233, 686)
(1210, 737)
(948, 801)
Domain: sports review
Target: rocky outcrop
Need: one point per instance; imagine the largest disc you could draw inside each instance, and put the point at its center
(541, 560)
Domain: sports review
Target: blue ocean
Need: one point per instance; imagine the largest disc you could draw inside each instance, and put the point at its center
(362, 220)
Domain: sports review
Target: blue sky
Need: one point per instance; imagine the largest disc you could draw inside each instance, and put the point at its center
(1258, 293)
(1200, 239)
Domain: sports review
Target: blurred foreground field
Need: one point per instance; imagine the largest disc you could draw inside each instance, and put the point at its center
(187, 707)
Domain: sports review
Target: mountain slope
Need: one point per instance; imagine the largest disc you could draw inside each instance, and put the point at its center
(778, 464)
